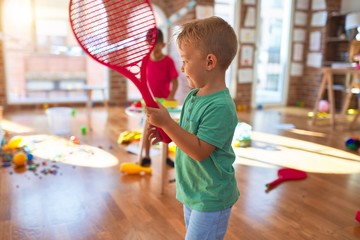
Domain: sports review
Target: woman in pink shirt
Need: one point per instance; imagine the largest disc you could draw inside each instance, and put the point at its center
(162, 80)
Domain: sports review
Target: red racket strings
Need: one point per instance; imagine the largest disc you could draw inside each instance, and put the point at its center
(115, 35)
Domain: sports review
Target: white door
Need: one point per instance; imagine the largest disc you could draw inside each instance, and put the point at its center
(273, 52)
(226, 10)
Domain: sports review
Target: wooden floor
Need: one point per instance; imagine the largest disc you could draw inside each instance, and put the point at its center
(102, 203)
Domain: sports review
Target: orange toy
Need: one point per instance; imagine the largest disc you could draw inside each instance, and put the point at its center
(20, 159)
(133, 168)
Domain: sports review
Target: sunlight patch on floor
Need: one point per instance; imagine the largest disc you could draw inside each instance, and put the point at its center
(270, 150)
(307, 133)
(15, 127)
(58, 149)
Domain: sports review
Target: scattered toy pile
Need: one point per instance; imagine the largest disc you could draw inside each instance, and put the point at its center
(14, 154)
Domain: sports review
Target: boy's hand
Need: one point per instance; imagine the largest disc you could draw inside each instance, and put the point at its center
(158, 117)
(154, 135)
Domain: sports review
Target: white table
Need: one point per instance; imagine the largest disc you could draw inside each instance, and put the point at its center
(89, 89)
(139, 113)
(327, 84)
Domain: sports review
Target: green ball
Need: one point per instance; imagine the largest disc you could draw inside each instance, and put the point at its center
(352, 144)
(83, 130)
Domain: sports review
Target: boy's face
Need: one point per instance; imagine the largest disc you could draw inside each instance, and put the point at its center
(193, 65)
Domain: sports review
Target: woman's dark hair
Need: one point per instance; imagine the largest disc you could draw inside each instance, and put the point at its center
(160, 35)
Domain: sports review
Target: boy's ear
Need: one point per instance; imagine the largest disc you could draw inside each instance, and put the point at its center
(211, 61)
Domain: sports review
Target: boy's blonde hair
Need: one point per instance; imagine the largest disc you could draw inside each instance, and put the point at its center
(211, 35)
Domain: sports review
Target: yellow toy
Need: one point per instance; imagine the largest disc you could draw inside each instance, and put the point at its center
(166, 103)
(19, 159)
(13, 143)
(172, 147)
(170, 103)
(133, 168)
(129, 136)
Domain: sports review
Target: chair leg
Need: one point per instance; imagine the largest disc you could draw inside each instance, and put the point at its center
(357, 114)
(141, 145)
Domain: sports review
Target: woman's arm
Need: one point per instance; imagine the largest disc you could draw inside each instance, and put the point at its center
(174, 86)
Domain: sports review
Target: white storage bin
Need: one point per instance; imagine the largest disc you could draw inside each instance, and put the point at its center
(59, 119)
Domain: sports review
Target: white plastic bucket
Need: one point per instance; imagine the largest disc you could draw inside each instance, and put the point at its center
(59, 119)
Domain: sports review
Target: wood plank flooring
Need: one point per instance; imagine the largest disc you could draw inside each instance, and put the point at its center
(102, 203)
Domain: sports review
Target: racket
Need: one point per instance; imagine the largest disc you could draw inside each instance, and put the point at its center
(120, 35)
(286, 174)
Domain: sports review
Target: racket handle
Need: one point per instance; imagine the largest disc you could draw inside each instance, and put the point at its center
(274, 183)
(149, 100)
(165, 138)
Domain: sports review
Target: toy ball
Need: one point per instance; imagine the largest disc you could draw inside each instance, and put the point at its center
(20, 159)
(83, 130)
(352, 143)
(30, 157)
(75, 140)
(323, 106)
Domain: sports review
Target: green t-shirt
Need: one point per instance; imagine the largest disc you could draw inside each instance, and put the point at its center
(209, 185)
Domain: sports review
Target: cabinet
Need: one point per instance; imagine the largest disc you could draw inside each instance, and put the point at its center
(336, 52)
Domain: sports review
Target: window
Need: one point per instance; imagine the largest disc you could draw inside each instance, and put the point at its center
(272, 82)
(43, 61)
(273, 52)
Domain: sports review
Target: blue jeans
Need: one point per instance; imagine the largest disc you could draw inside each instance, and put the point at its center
(206, 225)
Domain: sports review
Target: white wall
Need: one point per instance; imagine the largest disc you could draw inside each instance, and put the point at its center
(350, 6)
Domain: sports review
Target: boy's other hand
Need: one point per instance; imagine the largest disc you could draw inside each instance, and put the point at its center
(154, 135)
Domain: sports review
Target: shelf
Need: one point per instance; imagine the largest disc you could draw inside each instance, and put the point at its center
(339, 87)
(336, 48)
(337, 39)
(337, 64)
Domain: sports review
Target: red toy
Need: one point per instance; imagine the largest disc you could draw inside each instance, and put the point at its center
(358, 216)
(116, 34)
(287, 174)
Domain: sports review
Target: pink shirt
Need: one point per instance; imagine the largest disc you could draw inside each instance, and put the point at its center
(159, 76)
